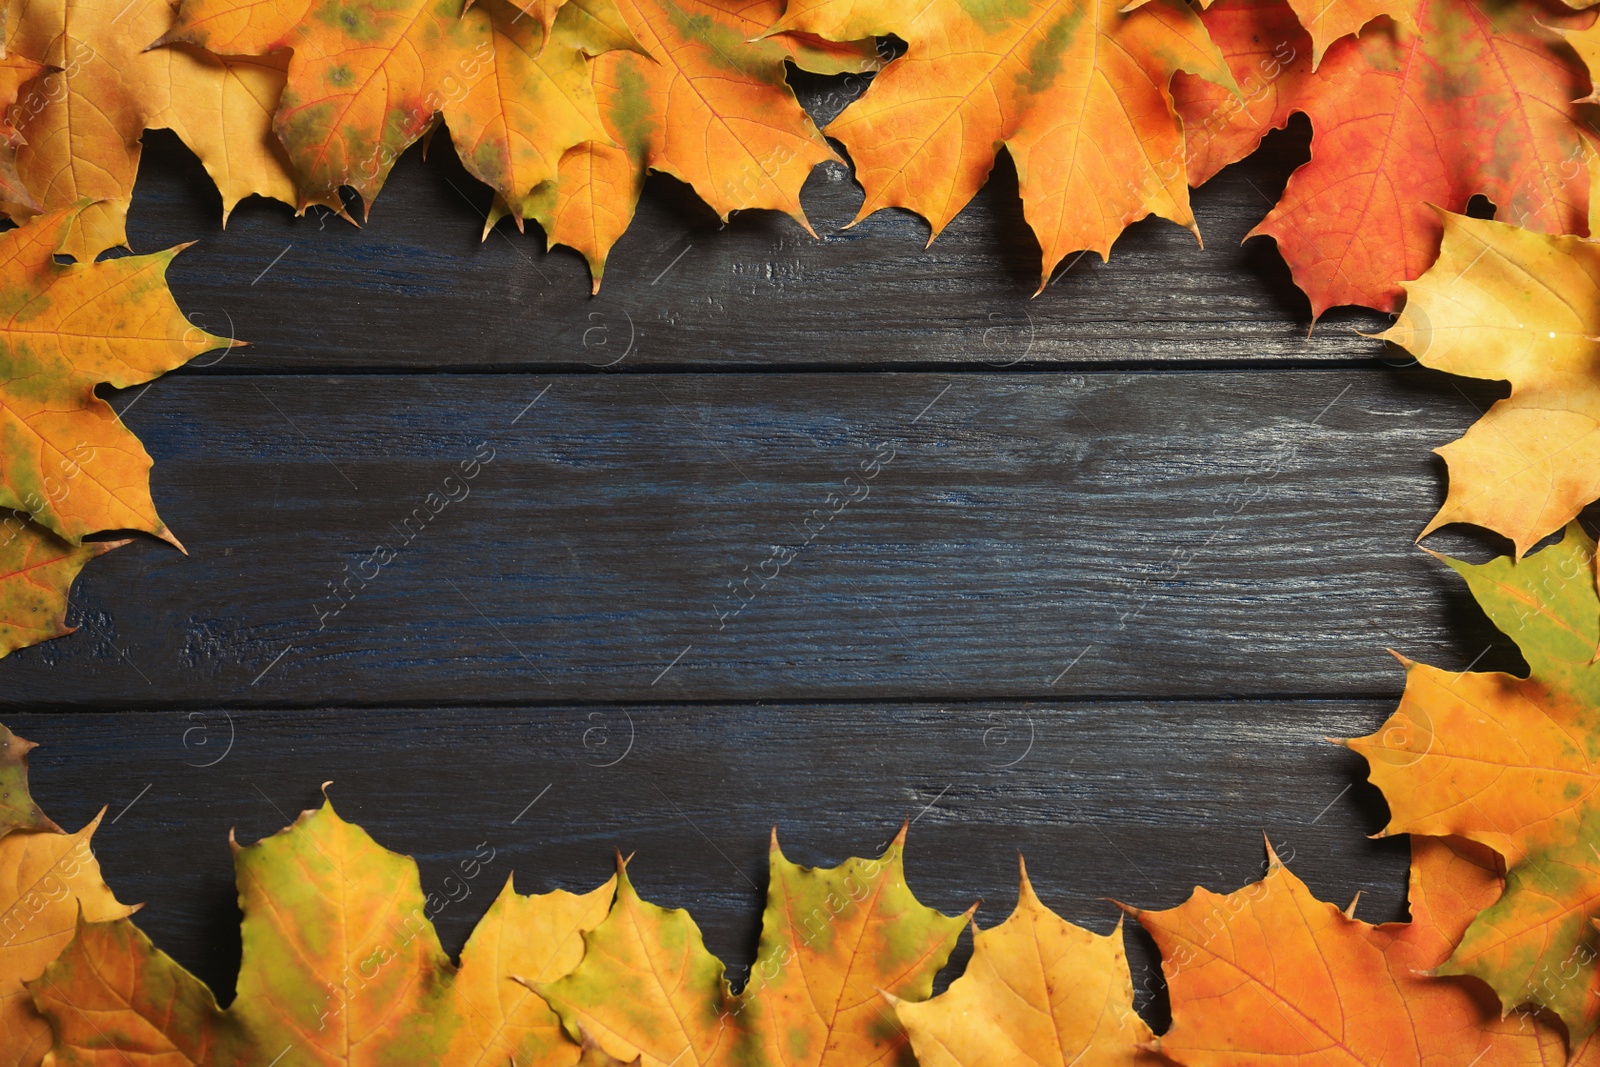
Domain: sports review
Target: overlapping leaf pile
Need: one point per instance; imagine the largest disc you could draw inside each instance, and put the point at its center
(341, 964)
(1110, 114)
(563, 106)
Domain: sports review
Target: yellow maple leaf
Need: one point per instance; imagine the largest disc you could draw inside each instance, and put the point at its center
(37, 569)
(46, 881)
(521, 939)
(66, 459)
(524, 97)
(1037, 990)
(82, 123)
(1511, 304)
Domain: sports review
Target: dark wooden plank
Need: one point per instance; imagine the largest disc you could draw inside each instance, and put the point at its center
(417, 288)
(1128, 800)
(1036, 534)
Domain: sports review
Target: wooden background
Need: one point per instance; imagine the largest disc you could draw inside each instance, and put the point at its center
(1140, 548)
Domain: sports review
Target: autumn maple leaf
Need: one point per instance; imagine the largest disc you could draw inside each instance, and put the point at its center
(66, 459)
(1077, 91)
(1506, 303)
(365, 82)
(340, 962)
(1271, 974)
(1478, 100)
(14, 71)
(37, 570)
(527, 96)
(362, 79)
(82, 120)
(1325, 21)
(709, 104)
(831, 941)
(1512, 763)
(17, 808)
(47, 881)
(1037, 990)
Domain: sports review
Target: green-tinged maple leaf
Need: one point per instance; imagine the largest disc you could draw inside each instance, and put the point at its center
(527, 99)
(17, 808)
(37, 570)
(520, 940)
(832, 942)
(66, 459)
(709, 105)
(341, 966)
(339, 959)
(362, 82)
(1270, 974)
(648, 989)
(1514, 763)
(1038, 990)
(47, 880)
(1480, 99)
(1077, 91)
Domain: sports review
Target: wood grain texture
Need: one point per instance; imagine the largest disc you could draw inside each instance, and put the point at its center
(416, 288)
(1037, 534)
(1137, 801)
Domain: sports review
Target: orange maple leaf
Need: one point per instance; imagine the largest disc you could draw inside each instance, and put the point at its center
(1325, 21)
(49, 881)
(1077, 91)
(1514, 763)
(1271, 974)
(1480, 101)
(527, 96)
(709, 105)
(1328, 20)
(14, 71)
